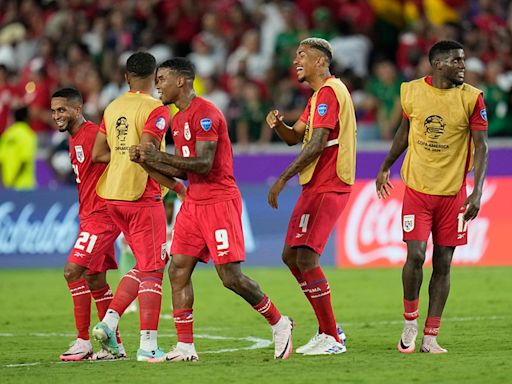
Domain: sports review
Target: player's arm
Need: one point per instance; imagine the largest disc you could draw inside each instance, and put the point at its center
(312, 150)
(101, 150)
(400, 144)
(291, 135)
(472, 203)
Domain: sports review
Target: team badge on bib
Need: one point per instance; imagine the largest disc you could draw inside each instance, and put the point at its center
(408, 224)
(322, 109)
(80, 156)
(206, 124)
(186, 132)
(160, 123)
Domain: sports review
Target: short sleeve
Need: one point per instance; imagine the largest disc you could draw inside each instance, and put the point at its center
(305, 115)
(478, 120)
(103, 129)
(158, 122)
(327, 109)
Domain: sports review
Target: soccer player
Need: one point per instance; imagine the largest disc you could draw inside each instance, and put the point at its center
(134, 201)
(93, 252)
(326, 168)
(443, 118)
(208, 224)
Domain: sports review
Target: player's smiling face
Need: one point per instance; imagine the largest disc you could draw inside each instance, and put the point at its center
(166, 83)
(64, 113)
(303, 62)
(454, 67)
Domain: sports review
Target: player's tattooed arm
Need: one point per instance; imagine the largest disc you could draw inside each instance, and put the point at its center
(472, 203)
(290, 135)
(309, 153)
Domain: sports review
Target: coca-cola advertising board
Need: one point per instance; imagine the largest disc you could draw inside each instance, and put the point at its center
(369, 232)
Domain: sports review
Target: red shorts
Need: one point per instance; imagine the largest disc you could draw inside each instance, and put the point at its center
(94, 246)
(209, 231)
(313, 219)
(144, 228)
(441, 215)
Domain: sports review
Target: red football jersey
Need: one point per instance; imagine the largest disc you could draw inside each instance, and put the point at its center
(203, 121)
(326, 115)
(87, 173)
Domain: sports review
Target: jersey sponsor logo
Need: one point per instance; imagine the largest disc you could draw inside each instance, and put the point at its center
(322, 109)
(434, 127)
(408, 224)
(79, 254)
(206, 124)
(483, 114)
(79, 151)
(175, 133)
(160, 123)
(186, 132)
(222, 253)
(299, 235)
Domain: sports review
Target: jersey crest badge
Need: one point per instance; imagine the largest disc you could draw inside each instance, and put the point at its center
(483, 114)
(322, 109)
(186, 131)
(408, 224)
(206, 124)
(79, 151)
(160, 123)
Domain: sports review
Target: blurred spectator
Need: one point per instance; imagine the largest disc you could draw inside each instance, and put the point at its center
(18, 149)
(323, 26)
(289, 100)
(214, 93)
(251, 126)
(498, 100)
(384, 88)
(203, 57)
(115, 87)
(248, 59)
(6, 96)
(234, 112)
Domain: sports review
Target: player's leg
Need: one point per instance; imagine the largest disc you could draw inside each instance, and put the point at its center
(126, 263)
(233, 279)
(180, 276)
(81, 348)
(439, 289)
(417, 214)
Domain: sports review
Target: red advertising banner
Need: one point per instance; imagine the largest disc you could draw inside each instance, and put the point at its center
(369, 233)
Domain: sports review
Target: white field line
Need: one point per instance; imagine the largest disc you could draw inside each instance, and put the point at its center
(256, 342)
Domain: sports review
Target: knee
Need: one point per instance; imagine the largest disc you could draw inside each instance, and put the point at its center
(416, 258)
(232, 282)
(72, 272)
(96, 281)
(307, 261)
(288, 259)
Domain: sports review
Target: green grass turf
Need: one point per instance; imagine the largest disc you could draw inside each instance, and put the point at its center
(476, 328)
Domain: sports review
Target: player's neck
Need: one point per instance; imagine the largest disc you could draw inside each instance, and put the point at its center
(76, 126)
(317, 81)
(439, 82)
(184, 100)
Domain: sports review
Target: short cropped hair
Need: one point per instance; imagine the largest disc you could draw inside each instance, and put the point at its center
(182, 66)
(70, 94)
(141, 64)
(321, 44)
(442, 47)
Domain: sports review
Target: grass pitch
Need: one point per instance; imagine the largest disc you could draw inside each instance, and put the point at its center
(36, 325)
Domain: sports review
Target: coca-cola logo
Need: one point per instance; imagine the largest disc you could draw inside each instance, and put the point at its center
(48, 232)
(373, 230)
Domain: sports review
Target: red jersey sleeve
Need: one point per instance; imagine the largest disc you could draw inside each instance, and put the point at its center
(158, 122)
(103, 129)
(478, 120)
(305, 115)
(327, 109)
(206, 124)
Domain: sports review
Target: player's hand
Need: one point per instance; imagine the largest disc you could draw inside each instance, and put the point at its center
(274, 118)
(471, 206)
(182, 194)
(148, 152)
(383, 184)
(134, 153)
(274, 192)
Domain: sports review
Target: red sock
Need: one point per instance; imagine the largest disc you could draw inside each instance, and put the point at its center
(126, 291)
(268, 310)
(411, 309)
(184, 322)
(102, 298)
(302, 283)
(320, 294)
(150, 300)
(81, 306)
(432, 325)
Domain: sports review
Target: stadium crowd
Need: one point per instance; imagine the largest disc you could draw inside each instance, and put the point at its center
(242, 50)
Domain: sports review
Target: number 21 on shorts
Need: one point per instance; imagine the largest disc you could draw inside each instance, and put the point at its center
(85, 241)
